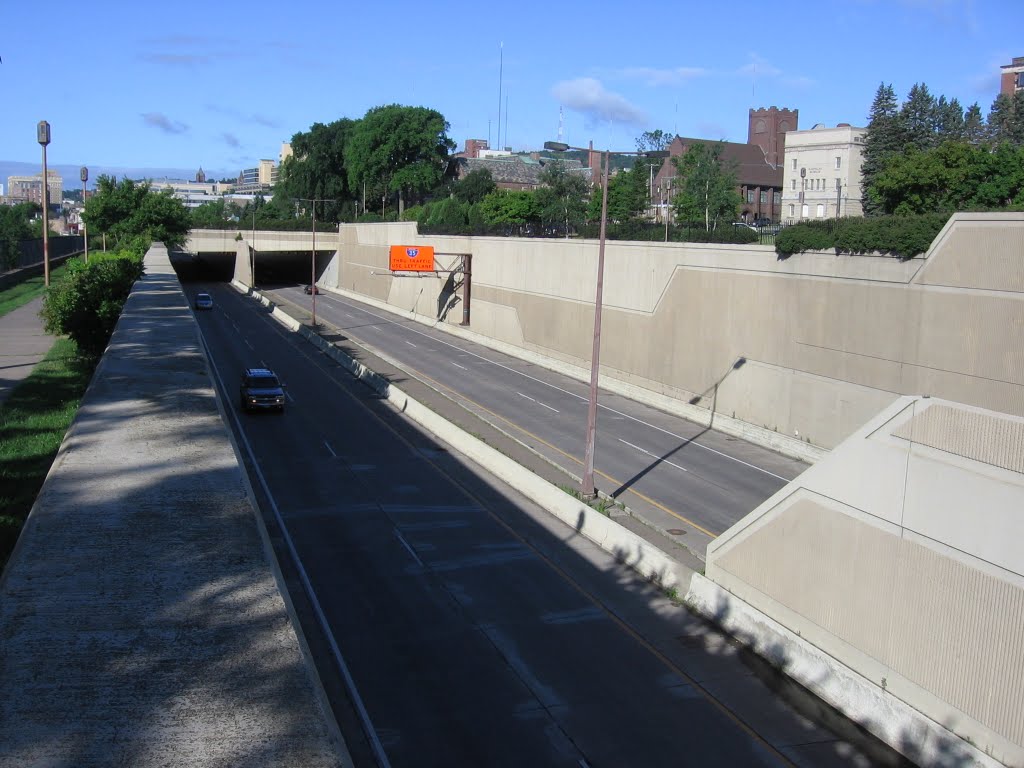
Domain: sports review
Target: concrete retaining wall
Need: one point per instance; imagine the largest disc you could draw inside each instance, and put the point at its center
(807, 348)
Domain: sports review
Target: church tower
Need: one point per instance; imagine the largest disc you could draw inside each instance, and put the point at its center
(767, 129)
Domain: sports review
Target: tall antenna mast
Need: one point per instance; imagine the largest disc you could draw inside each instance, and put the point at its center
(561, 122)
(501, 69)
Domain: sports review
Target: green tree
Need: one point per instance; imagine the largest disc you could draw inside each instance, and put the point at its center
(654, 141)
(562, 198)
(918, 118)
(475, 186)
(949, 120)
(974, 125)
(399, 150)
(87, 303)
(707, 187)
(213, 215)
(883, 138)
(317, 170)
(509, 208)
(628, 196)
(128, 211)
(15, 226)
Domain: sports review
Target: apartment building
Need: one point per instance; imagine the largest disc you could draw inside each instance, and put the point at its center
(30, 188)
(1011, 79)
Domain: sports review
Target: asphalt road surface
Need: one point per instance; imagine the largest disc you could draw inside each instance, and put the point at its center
(474, 628)
(694, 479)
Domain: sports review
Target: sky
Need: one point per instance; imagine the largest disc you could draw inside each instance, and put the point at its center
(219, 85)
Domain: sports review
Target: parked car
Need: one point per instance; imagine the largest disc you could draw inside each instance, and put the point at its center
(311, 289)
(763, 221)
(744, 225)
(203, 301)
(261, 390)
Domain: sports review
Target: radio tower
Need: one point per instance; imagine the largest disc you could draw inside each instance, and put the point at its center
(560, 123)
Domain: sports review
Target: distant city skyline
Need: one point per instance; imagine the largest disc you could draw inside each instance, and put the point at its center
(221, 86)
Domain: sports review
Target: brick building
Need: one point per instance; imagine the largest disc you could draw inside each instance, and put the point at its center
(1012, 78)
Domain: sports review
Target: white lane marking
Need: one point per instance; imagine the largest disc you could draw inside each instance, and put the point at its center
(368, 728)
(412, 552)
(250, 346)
(653, 456)
(458, 366)
(409, 343)
(690, 441)
(538, 402)
(329, 449)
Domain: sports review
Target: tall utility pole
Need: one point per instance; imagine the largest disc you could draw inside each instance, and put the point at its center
(84, 175)
(43, 137)
(312, 282)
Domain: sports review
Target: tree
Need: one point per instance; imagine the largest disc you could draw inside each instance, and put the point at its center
(212, 215)
(562, 200)
(14, 227)
(974, 125)
(654, 141)
(508, 208)
(87, 303)
(707, 186)
(949, 120)
(628, 195)
(397, 149)
(883, 138)
(127, 211)
(475, 186)
(918, 118)
(1006, 120)
(316, 170)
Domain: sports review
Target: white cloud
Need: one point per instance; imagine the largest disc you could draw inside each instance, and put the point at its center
(163, 122)
(659, 77)
(589, 97)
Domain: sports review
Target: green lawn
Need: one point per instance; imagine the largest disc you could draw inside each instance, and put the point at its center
(33, 421)
(22, 293)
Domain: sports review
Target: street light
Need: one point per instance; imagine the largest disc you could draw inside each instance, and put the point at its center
(587, 485)
(43, 137)
(84, 175)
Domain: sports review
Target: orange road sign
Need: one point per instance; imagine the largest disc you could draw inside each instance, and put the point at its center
(412, 258)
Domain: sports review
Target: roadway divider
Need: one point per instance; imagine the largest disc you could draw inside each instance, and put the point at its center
(628, 548)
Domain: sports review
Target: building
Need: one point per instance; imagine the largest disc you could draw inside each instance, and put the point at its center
(823, 173)
(767, 129)
(519, 172)
(1012, 78)
(192, 193)
(30, 188)
(285, 153)
(258, 179)
(760, 183)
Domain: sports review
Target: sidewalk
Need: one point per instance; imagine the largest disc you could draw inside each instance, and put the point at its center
(22, 345)
(141, 619)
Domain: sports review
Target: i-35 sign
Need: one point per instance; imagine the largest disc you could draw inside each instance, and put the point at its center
(412, 258)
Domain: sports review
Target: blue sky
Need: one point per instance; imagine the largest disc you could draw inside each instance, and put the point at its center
(221, 84)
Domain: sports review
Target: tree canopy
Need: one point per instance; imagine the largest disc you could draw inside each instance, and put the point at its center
(15, 226)
(127, 211)
(396, 149)
(707, 186)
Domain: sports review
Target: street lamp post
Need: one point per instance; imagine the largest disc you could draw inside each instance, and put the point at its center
(312, 282)
(84, 175)
(252, 268)
(587, 490)
(43, 137)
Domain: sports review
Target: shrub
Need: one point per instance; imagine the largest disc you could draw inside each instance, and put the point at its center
(900, 236)
(87, 303)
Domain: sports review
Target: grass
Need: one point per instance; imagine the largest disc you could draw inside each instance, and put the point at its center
(33, 421)
(21, 294)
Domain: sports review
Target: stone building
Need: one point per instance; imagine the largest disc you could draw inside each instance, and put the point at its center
(823, 173)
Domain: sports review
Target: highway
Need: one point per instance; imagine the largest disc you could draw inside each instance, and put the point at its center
(473, 628)
(688, 478)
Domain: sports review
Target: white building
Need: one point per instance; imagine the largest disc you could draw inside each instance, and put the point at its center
(822, 177)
